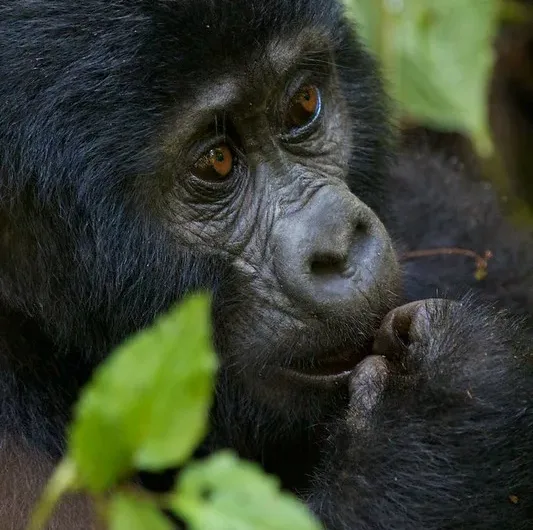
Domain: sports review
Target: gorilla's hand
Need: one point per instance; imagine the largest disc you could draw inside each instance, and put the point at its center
(407, 328)
(402, 356)
(425, 420)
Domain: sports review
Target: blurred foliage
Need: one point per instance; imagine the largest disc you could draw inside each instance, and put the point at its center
(146, 409)
(437, 56)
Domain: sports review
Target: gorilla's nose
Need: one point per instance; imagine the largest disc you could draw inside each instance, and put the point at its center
(331, 252)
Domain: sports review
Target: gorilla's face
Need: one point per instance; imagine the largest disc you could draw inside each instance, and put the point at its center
(203, 144)
(258, 169)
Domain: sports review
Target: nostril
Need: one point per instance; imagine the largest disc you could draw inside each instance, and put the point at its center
(361, 229)
(328, 264)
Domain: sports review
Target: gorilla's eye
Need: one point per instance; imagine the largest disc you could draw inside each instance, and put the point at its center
(304, 108)
(215, 165)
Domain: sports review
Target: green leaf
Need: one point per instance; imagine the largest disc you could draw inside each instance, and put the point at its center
(224, 493)
(127, 512)
(438, 56)
(147, 405)
(368, 16)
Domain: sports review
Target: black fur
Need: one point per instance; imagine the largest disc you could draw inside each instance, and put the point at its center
(88, 96)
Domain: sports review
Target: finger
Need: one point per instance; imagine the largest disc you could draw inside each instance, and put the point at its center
(367, 385)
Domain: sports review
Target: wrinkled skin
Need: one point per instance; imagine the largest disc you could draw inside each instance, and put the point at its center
(149, 149)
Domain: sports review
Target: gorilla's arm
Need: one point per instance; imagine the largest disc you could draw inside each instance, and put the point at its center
(440, 428)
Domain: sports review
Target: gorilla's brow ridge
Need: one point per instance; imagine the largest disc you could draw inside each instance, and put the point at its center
(216, 95)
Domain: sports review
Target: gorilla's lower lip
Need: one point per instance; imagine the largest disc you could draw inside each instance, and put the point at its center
(335, 366)
(325, 372)
(323, 381)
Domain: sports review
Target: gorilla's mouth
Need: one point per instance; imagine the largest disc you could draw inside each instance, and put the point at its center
(326, 369)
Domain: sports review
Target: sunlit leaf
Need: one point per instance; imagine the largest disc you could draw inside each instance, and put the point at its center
(147, 405)
(224, 493)
(127, 512)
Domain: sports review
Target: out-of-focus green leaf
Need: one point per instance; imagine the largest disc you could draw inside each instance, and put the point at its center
(224, 493)
(147, 406)
(131, 513)
(438, 57)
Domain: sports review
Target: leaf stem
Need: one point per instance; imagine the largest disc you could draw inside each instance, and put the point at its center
(63, 479)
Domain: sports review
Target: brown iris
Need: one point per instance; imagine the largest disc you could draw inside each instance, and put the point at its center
(303, 107)
(215, 165)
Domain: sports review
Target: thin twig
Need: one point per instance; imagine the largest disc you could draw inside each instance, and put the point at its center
(482, 262)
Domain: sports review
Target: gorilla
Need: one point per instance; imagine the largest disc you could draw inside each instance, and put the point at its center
(152, 148)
